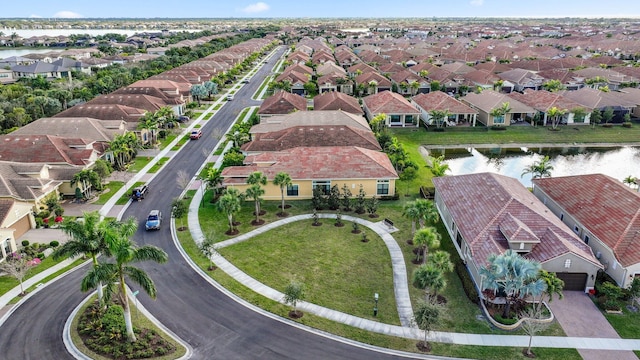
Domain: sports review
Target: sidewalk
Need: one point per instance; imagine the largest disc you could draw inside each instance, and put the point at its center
(407, 332)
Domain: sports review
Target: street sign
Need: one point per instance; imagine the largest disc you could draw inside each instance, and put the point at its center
(136, 292)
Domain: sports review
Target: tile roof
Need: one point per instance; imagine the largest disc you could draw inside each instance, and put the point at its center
(282, 103)
(298, 118)
(104, 112)
(146, 102)
(485, 206)
(310, 163)
(389, 103)
(47, 149)
(488, 100)
(17, 181)
(543, 100)
(438, 100)
(334, 100)
(77, 127)
(605, 206)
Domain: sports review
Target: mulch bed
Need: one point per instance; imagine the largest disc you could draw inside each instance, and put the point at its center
(423, 346)
(338, 224)
(316, 224)
(374, 216)
(295, 314)
(527, 354)
(286, 206)
(232, 232)
(262, 212)
(257, 223)
(356, 231)
(282, 214)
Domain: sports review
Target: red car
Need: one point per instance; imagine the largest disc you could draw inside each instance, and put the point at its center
(195, 134)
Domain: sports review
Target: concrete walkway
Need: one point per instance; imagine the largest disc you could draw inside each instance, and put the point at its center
(578, 342)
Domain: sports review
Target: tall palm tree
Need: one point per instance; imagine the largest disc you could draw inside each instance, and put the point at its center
(437, 167)
(426, 238)
(87, 238)
(230, 203)
(254, 192)
(539, 169)
(428, 212)
(125, 251)
(430, 278)
(412, 212)
(441, 260)
(149, 122)
(438, 116)
(283, 180)
(165, 115)
(516, 276)
(556, 114)
(500, 112)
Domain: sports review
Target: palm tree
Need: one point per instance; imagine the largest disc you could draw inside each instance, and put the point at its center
(198, 91)
(438, 116)
(552, 85)
(556, 114)
(412, 212)
(214, 179)
(238, 138)
(579, 114)
(254, 192)
(426, 238)
(441, 260)
(428, 212)
(500, 112)
(125, 251)
(497, 85)
(554, 286)
(87, 239)
(539, 169)
(283, 180)
(430, 278)
(230, 203)
(437, 167)
(165, 115)
(516, 276)
(149, 122)
(414, 85)
(630, 181)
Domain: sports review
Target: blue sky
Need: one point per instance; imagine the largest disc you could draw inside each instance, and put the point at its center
(322, 8)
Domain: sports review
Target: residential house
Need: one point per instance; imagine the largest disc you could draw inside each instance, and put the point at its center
(16, 218)
(40, 68)
(543, 101)
(295, 79)
(488, 100)
(459, 112)
(520, 79)
(75, 127)
(334, 100)
(601, 100)
(26, 183)
(335, 82)
(359, 69)
(372, 83)
(282, 103)
(6, 77)
(604, 213)
(409, 83)
(311, 167)
(311, 129)
(399, 112)
(330, 68)
(487, 214)
(632, 96)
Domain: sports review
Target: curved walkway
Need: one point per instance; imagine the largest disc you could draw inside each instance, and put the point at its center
(394, 330)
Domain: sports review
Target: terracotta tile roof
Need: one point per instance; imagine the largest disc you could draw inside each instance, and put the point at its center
(488, 100)
(438, 100)
(294, 77)
(596, 99)
(330, 68)
(364, 68)
(310, 163)
(484, 206)
(603, 205)
(407, 76)
(145, 102)
(283, 102)
(457, 68)
(5, 207)
(334, 100)
(77, 127)
(366, 78)
(543, 100)
(389, 103)
(481, 77)
(326, 117)
(25, 181)
(104, 112)
(47, 149)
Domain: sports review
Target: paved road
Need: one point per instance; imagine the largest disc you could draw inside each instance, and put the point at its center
(214, 325)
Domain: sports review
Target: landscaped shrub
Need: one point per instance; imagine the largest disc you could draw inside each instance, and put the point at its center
(54, 243)
(467, 283)
(40, 256)
(25, 243)
(44, 214)
(510, 321)
(499, 128)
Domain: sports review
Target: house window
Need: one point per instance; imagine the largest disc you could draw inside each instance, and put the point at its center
(498, 119)
(292, 190)
(576, 229)
(324, 185)
(521, 246)
(561, 217)
(459, 240)
(395, 119)
(567, 263)
(383, 187)
(6, 247)
(409, 119)
(586, 239)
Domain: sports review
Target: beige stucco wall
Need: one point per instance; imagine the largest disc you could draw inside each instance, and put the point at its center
(305, 190)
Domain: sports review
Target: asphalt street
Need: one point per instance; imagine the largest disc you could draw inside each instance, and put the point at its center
(215, 326)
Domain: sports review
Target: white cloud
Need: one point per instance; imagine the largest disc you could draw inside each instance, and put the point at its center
(35, 16)
(256, 8)
(476, 2)
(67, 14)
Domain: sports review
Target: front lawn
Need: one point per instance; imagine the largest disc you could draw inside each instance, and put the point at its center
(339, 270)
(7, 282)
(158, 165)
(138, 163)
(110, 188)
(627, 324)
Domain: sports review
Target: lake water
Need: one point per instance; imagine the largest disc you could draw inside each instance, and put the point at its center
(617, 162)
(4, 53)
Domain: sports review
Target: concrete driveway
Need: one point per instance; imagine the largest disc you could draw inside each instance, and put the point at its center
(580, 317)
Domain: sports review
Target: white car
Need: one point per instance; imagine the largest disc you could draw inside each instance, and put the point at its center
(229, 97)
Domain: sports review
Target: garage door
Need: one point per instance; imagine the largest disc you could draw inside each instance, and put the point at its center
(573, 281)
(21, 226)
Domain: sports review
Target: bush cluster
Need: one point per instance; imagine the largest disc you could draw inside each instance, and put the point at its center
(467, 283)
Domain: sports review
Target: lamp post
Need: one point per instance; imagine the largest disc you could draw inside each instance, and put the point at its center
(375, 308)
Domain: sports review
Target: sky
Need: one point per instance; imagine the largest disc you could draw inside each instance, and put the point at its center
(315, 9)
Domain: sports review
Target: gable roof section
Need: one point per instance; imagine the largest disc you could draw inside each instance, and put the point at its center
(310, 163)
(334, 100)
(77, 127)
(326, 117)
(389, 103)
(104, 112)
(46, 149)
(438, 100)
(17, 181)
(283, 102)
(488, 100)
(481, 203)
(145, 102)
(543, 100)
(605, 206)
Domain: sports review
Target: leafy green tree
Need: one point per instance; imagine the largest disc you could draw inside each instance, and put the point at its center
(333, 198)
(378, 123)
(232, 158)
(554, 286)
(439, 116)
(361, 200)
(346, 197)
(428, 212)
(198, 91)
(514, 275)
(372, 206)
(607, 114)
(437, 167)
(579, 114)
(17, 267)
(282, 180)
(230, 203)
(125, 251)
(499, 113)
(553, 85)
(318, 199)
(179, 208)
(595, 118)
(426, 316)
(294, 292)
(556, 115)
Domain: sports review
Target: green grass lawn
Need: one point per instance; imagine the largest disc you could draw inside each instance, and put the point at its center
(340, 271)
(109, 189)
(138, 163)
(180, 142)
(208, 116)
(518, 135)
(627, 325)
(158, 165)
(217, 107)
(127, 195)
(166, 141)
(7, 283)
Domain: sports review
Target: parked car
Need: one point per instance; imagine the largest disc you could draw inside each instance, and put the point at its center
(195, 134)
(229, 97)
(138, 193)
(245, 81)
(153, 220)
(183, 118)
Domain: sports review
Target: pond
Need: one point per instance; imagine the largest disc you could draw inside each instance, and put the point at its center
(617, 162)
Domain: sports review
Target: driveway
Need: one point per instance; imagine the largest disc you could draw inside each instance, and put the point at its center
(580, 317)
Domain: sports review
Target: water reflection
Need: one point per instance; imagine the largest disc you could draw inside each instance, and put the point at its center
(617, 162)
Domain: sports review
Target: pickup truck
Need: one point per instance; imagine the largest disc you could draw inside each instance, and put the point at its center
(138, 193)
